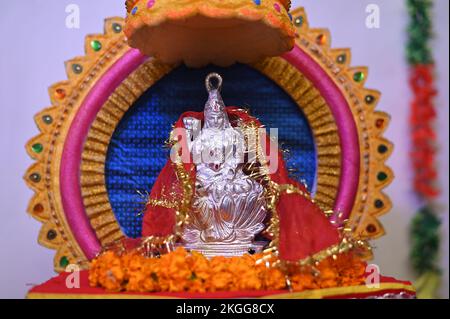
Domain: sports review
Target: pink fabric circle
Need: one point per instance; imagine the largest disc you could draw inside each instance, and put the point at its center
(72, 200)
(348, 133)
(71, 158)
(150, 3)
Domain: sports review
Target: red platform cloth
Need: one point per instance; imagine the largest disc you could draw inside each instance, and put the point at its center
(56, 288)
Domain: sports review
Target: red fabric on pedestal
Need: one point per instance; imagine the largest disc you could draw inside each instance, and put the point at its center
(56, 288)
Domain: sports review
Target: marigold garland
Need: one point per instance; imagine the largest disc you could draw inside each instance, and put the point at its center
(183, 271)
(425, 226)
(423, 136)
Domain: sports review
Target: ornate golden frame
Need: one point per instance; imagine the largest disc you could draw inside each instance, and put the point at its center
(101, 53)
(371, 202)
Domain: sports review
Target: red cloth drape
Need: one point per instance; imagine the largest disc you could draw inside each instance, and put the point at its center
(57, 288)
(304, 228)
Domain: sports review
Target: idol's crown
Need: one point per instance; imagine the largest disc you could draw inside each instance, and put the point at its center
(215, 102)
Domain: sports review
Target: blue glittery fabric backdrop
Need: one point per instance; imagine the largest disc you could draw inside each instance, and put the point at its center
(136, 154)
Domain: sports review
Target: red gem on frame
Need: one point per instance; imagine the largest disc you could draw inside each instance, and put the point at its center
(38, 209)
(60, 94)
(379, 123)
(371, 228)
(321, 39)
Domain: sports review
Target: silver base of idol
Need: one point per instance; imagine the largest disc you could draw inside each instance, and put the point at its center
(227, 250)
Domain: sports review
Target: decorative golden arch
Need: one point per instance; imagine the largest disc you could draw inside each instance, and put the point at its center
(104, 51)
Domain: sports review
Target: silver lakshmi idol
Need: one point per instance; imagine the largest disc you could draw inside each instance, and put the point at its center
(228, 209)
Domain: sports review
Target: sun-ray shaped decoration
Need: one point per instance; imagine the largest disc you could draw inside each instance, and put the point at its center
(371, 202)
(101, 50)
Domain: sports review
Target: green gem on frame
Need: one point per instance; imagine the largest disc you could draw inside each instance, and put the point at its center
(96, 45)
(359, 76)
(64, 262)
(382, 176)
(37, 148)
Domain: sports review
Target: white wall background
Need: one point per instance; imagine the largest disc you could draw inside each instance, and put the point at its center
(35, 43)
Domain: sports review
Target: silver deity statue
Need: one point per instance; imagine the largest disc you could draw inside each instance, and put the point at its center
(229, 206)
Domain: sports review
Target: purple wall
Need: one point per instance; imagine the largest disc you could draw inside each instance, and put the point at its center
(36, 43)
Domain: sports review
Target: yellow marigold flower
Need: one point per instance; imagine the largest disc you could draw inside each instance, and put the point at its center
(180, 271)
(274, 279)
(221, 281)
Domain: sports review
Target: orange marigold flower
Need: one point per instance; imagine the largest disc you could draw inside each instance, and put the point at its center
(221, 281)
(274, 279)
(303, 281)
(192, 272)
